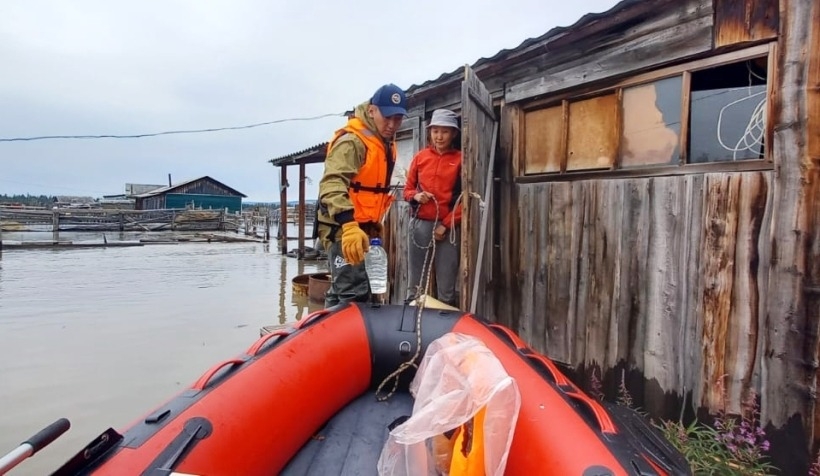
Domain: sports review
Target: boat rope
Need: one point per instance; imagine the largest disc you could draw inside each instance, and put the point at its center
(421, 297)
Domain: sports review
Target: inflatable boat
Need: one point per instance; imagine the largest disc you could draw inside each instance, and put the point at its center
(303, 401)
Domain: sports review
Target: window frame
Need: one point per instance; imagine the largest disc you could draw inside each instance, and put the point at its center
(684, 70)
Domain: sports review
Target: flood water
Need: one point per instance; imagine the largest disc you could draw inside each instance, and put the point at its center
(101, 336)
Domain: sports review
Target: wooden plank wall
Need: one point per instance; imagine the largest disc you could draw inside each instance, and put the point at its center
(657, 34)
(813, 179)
(478, 123)
(397, 231)
(663, 274)
(791, 337)
(742, 21)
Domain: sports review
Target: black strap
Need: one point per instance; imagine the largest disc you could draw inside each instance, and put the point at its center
(358, 187)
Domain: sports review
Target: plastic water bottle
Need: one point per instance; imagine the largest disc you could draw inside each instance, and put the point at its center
(375, 263)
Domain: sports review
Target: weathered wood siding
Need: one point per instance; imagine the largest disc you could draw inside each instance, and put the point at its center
(790, 348)
(663, 274)
(397, 231)
(479, 138)
(742, 21)
(658, 33)
(813, 179)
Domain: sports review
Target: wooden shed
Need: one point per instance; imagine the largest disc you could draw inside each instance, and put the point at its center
(204, 192)
(312, 155)
(642, 197)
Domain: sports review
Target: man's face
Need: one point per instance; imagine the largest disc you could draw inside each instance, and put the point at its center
(387, 126)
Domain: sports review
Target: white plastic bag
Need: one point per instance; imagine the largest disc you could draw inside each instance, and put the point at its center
(460, 382)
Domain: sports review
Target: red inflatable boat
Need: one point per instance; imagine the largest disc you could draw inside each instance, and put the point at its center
(301, 401)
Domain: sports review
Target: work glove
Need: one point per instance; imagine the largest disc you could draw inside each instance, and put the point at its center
(355, 243)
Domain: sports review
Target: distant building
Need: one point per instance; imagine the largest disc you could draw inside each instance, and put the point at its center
(67, 201)
(132, 189)
(202, 193)
(116, 202)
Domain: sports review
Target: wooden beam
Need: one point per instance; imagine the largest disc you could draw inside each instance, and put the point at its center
(685, 106)
(283, 206)
(564, 135)
(790, 339)
(812, 167)
(656, 171)
(301, 253)
(587, 91)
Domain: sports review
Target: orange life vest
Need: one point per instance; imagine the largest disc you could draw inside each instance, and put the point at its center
(370, 188)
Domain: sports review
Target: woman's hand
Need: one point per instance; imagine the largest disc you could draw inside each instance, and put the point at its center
(439, 232)
(423, 197)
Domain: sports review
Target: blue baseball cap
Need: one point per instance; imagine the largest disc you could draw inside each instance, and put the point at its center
(390, 100)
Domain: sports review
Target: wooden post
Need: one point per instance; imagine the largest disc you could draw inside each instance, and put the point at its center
(301, 210)
(283, 205)
(1, 237)
(791, 345)
(55, 225)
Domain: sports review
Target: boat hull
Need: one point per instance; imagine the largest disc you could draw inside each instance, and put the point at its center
(254, 414)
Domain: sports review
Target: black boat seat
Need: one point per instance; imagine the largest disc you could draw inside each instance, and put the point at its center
(351, 442)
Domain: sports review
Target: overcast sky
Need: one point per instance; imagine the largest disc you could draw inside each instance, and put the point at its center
(91, 67)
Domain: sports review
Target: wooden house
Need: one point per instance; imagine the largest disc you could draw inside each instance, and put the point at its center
(642, 198)
(202, 193)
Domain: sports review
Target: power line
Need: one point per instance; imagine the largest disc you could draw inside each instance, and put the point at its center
(165, 133)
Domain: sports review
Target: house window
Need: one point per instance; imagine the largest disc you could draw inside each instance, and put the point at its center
(651, 123)
(407, 144)
(728, 112)
(544, 130)
(708, 111)
(592, 141)
(405, 150)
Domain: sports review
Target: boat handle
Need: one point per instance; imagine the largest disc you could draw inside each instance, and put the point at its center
(560, 378)
(510, 335)
(207, 376)
(604, 420)
(254, 349)
(311, 317)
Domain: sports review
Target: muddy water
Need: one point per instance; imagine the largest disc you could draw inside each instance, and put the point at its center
(100, 336)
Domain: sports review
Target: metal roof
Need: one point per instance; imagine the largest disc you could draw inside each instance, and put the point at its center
(310, 155)
(524, 50)
(162, 190)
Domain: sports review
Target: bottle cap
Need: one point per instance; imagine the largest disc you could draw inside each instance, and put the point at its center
(375, 241)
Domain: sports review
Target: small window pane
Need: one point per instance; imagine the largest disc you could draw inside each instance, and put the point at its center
(651, 127)
(405, 150)
(543, 130)
(593, 133)
(728, 113)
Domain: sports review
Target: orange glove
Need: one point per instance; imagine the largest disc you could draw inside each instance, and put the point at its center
(355, 243)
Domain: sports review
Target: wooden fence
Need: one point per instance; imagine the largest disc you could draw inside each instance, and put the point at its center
(12, 219)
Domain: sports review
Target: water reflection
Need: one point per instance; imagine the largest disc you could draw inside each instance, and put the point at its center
(101, 336)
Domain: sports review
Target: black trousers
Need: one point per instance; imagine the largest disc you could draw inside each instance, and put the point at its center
(348, 282)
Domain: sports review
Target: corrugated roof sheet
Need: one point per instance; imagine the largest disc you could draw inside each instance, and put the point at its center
(162, 190)
(507, 54)
(317, 150)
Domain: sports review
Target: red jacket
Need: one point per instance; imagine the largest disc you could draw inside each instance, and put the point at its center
(439, 174)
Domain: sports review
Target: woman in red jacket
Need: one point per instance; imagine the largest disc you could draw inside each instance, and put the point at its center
(433, 186)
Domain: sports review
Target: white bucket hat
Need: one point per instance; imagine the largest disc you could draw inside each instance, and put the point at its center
(444, 118)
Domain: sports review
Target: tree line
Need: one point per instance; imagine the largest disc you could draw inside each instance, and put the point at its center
(28, 200)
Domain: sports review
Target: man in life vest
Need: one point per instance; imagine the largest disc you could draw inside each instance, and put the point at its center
(354, 193)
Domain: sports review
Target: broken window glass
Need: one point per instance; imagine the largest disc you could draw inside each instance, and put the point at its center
(728, 112)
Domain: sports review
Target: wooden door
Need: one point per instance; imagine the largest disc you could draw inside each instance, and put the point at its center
(479, 137)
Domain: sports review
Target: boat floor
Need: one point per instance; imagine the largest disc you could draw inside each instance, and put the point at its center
(351, 442)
